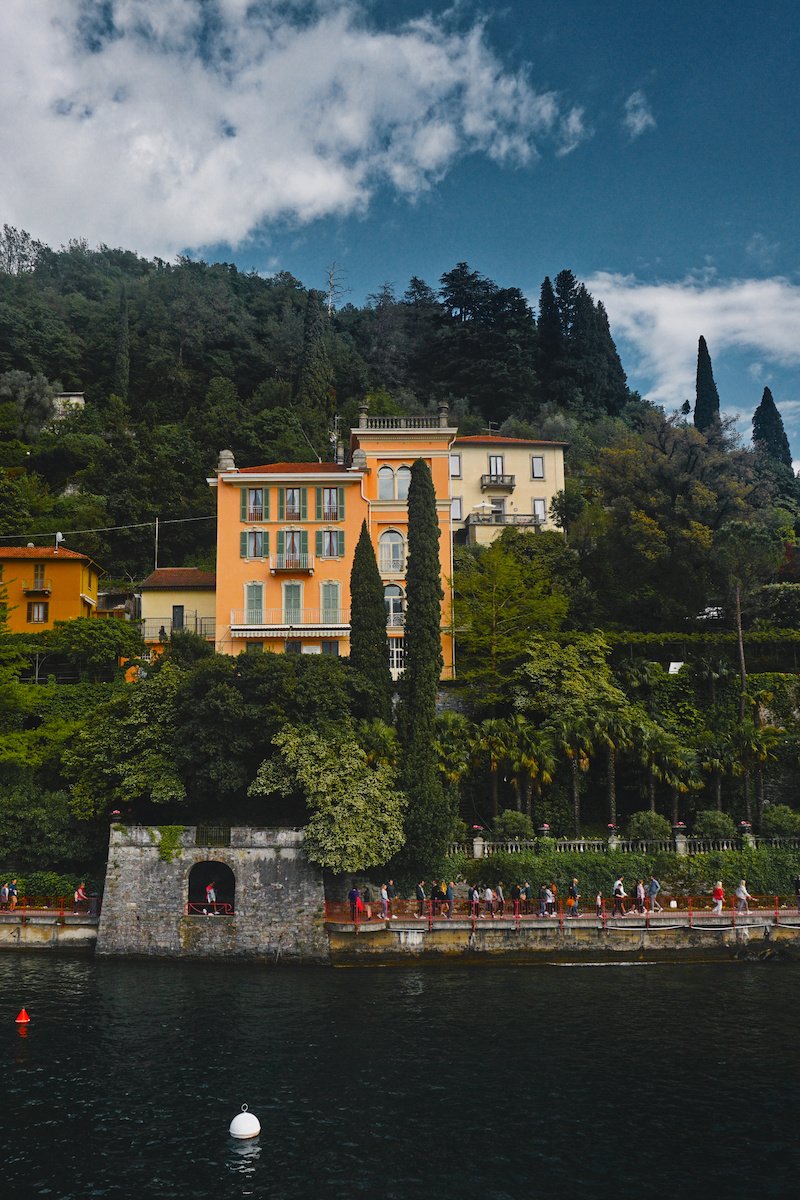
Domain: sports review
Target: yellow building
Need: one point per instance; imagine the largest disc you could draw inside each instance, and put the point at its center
(44, 584)
(287, 532)
(500, 481)
(174, 599)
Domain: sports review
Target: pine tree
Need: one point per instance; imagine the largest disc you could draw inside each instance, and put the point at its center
(429, 818)
(769, 435)
(706, 409)
(369, 646)
(549, 330)
(315, 386)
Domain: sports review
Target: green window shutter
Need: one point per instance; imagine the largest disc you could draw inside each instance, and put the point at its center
(304, 541)
(242, 545)
(318, 539)
(318, 513)
(243, 504)
(266, 504)
(281, 504)
(341, 503)
(303, 504)
(281, 542)
(266, 542)
(341, 543)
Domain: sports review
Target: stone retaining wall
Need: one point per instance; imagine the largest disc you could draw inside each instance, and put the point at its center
(47, 932)
(279, 902)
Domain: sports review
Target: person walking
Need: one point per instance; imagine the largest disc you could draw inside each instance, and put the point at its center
(527, 896)
(354, 896)
(516, 898)
(797, 892)
(419, 892)
(384, 902)
(598, 905)
(12, 895)
(619, 895)
(501, 900)
(211, 896)
(80, 896)
(392, 893)
(4, 896)
(488, 900)
(653, 888)
(718, 895)
(640, 896)
(550, 900)
(450, 898)
(543, 900)
(573, 899)
(743, 897)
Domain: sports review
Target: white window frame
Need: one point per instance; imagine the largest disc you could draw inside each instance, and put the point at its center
(456, 509)
(336, 609)
(255, 511)
(455, 466)
(253, 537)
(286, 609)
(404, 478)
(390, 562)
(291, 510)
(540, 510)
(537, 458)
(330, 543)
(250, 611)
(397, 653)
(495, 459)
(330, 504)
(385, 475)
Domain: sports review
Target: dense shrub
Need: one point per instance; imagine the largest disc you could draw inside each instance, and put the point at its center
(780, 821)
(710, 823)
(511, 824)
(648, 826)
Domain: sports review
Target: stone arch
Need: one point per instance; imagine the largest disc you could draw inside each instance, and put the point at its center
(203, 873)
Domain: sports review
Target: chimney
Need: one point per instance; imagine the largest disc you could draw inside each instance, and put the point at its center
(363, 409)
(226, 461)
(444, 414)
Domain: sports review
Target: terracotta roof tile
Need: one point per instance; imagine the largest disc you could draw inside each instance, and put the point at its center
(179, 577)
(40, 552)
(294, 469)
(491, 439)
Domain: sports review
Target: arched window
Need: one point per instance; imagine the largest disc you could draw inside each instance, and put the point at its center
(391, 549)
(222, 881)
(386, 483)
(403, 478)
(393, 603)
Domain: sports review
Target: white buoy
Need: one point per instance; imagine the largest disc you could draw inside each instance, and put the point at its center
(245, 1124)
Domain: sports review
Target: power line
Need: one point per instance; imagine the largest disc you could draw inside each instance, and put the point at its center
(6, 537)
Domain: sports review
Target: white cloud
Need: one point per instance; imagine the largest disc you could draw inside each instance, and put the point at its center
(180, 123)
(661, 323)
(638, 116)
(762, 250)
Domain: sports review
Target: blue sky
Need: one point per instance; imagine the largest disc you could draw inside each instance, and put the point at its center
(651, 147)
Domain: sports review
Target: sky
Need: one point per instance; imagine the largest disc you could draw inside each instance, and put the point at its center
(649, 146)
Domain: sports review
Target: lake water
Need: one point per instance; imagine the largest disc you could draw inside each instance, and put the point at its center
(483, 1084)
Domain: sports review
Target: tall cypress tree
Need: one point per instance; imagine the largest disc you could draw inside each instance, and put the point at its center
(769, 435)
(430, 818)
(706, 409)
(369, 646)
(122, 361)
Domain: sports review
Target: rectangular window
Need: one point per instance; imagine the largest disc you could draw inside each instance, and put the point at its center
(294, 646)
(329, 593)
(255, 504)
(496, 464)
(537, 466)
(177, 617)
(254, 602)
(397, 653)
(254, 647)
(292, 603)
(293, 504)
(37, 612)
(38, 576)
(540, 510)
(255, 544)
(331, 648)
(331, 539)
(455, 509)
(455, 466)
(330, 504)
(498, 509)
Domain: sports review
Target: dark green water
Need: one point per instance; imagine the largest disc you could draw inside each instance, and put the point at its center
(650, 1081)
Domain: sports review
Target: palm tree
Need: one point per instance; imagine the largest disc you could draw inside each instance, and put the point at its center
(573, 732)
(493, 741)
(532, 760)
(453, 740)
(616, 729)
(713, 671)
(716, 758)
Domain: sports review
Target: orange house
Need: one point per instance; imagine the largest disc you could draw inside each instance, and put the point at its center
(286, 534)
(44, 585)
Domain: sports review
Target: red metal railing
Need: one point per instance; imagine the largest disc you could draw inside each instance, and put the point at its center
(206, 909)
(689, 910)
(61, 906)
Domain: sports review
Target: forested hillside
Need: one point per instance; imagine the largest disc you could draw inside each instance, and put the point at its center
(178, 360)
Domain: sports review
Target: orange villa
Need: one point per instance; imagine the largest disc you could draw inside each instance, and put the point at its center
(45, 584)
(286, 534)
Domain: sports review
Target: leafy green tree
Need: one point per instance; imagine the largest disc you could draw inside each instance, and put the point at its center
(711, 823)
(706, 409)
(769, 435)
(122, 364)
(649, 826)
(369, 645)
(430, 813)
(780, 821)
(532, 761)
(356, 811)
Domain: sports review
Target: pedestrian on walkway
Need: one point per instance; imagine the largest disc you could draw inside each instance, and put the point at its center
(501, 900)
(80, 896)
(384, 902)
(543, 900)
(573, 899)
(743, 897)
(419, 892)
(488, 900)
(392, 891)
(653, 888)
(12, 895)
(598, 905)
(4, 896)
(550, 900)
(527, 896)
(619, 895)
(640, 896)
(450, 898)
(354, 896)
(718, 895)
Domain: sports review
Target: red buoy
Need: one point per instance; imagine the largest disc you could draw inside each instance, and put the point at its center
(23, 1018)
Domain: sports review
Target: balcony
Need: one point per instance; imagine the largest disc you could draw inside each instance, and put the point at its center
(392, 564)
(399, 423)
(278, 622)
(292, 513)
(159, 629)
(255, 514)
(37, 587)
(498, 483)
(291, 562)
(330, 514)
(527, 520)
(395, 620)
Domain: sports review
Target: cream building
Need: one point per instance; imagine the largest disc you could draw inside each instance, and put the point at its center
(177, 598)
(499, 481)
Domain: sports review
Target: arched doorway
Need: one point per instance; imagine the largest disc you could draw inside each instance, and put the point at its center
(224, 881)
